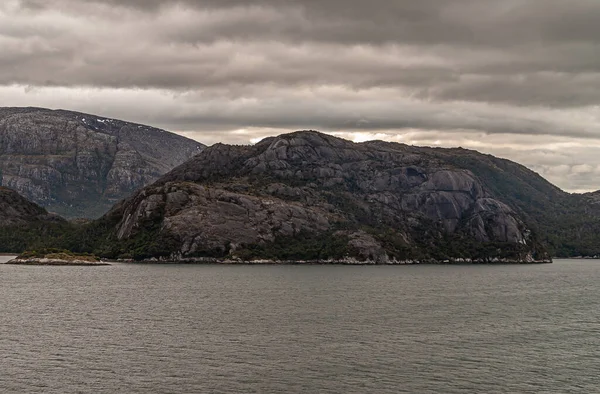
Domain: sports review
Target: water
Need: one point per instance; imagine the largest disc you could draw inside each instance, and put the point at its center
(301, 329)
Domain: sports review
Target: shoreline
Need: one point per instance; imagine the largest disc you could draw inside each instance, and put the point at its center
(56, 262)
(217, 261)
(214, 261)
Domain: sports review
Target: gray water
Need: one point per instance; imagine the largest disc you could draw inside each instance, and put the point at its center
(301, 329)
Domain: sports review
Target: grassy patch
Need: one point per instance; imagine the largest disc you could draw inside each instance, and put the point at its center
(57, 254)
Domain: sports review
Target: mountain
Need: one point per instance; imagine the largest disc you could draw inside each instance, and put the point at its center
(79, 165)
(312, 196)
(308, 195)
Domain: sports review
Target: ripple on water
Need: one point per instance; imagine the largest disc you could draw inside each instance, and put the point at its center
(281, 329)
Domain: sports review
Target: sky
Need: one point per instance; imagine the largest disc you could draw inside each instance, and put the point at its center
(519, 79)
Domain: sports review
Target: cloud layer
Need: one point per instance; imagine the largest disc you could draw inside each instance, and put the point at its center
(516, 78)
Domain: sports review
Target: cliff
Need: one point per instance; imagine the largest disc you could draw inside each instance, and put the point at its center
(79, 165)
(311, 196)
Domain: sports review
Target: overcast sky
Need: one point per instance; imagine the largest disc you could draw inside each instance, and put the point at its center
(516, 78)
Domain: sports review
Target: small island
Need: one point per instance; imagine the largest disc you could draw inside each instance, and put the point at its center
(57, 257)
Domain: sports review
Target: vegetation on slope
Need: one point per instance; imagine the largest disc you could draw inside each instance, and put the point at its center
(57, 254)
(569, 224)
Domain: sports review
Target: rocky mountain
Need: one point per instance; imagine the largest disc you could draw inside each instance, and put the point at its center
(308, 195)
(79, 165)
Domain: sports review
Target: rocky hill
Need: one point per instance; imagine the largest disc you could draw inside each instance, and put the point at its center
(308, 195)
(24, 224)
(79, 165)
(16, 210)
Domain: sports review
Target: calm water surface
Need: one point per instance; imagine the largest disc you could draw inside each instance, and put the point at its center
(300, 329)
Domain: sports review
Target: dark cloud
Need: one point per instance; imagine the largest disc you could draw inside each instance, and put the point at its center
(503, 69)
(509, 51)
(489, 22)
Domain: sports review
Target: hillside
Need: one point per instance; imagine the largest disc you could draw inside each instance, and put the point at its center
(568, 224)
(308, 195)
(24, 224)
(79, 165)
(16, 210)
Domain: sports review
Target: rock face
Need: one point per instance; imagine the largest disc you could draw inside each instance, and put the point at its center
(79, 165)
(16, 210)
(374, 201)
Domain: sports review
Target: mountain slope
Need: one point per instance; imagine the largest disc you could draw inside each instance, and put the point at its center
(569, 224)
(308, 195)
(16, 210)
(79, 165)
(24, 224)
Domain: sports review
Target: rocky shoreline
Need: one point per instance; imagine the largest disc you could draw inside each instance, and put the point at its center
(348, 261)
(55, 262)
